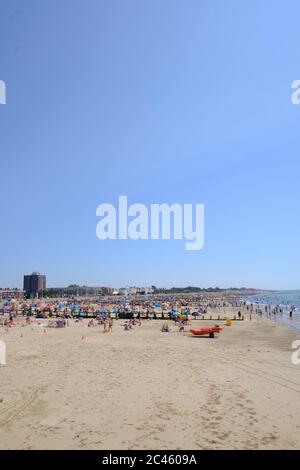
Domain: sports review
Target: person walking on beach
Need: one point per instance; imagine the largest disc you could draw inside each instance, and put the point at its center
(110, 325)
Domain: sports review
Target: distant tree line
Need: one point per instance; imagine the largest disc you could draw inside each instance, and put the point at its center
(192, 289)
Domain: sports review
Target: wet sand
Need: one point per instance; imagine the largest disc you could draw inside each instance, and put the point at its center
(143, 389)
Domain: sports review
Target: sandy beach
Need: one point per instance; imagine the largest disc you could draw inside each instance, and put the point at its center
(143, 389)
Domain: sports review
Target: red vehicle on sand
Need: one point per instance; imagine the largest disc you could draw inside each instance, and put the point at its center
(209, 330)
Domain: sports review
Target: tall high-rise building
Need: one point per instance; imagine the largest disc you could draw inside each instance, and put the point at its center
(34, 283)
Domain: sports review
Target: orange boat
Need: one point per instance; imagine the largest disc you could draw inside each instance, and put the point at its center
(210, 331)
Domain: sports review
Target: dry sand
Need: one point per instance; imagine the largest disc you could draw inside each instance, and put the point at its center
(144, 389)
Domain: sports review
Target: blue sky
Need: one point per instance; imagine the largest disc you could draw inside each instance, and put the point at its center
(163, 101)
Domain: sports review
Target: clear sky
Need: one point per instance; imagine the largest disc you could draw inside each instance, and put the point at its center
(184, 101)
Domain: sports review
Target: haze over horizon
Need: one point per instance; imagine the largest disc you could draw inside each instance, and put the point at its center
(165, 286)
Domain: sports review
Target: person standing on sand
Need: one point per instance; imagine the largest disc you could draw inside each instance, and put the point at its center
(110, 325)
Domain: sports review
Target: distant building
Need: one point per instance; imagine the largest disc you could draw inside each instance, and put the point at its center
(125, 291)
(34, 283)
(76, 291)
(9, 294)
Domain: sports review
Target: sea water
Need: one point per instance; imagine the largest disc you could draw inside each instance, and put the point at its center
(286, 300)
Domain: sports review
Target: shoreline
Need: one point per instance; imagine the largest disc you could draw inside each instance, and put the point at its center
(280, 317)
